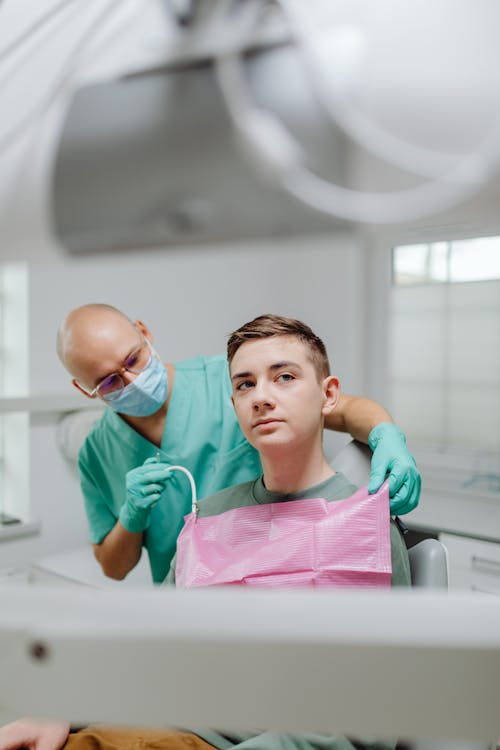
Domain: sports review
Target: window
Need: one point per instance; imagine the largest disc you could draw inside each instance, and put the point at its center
(444, 342)
(452, 262)
(14, 426)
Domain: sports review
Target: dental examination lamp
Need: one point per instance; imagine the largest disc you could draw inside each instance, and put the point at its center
(281, 117)
(414, 664)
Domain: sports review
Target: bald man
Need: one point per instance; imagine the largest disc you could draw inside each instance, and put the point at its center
(161, 415)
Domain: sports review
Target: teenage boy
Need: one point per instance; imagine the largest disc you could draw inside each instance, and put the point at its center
(282, 392)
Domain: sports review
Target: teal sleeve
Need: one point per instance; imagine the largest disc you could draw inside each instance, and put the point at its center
(99, 516)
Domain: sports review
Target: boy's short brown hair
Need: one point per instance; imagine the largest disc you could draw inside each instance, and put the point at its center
(266, 326)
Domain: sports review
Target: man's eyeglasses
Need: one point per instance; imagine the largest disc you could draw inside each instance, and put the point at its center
(112, 385)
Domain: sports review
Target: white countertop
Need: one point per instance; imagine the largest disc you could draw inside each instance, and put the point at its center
(457, 513)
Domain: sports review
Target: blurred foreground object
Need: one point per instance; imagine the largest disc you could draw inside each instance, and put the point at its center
(423, 663)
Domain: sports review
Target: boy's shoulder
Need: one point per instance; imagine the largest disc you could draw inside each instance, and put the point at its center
(227, 499)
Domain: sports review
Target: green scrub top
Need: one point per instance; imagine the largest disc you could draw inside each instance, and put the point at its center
(201, 433)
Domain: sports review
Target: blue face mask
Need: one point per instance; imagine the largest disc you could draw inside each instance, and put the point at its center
(146, 394)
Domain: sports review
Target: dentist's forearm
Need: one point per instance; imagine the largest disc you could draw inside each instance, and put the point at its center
(356, 415)
(119, 552)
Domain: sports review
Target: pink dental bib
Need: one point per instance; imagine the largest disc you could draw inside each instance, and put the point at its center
(290, 544)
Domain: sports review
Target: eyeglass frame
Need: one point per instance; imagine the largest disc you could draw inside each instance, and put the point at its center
(118, 373)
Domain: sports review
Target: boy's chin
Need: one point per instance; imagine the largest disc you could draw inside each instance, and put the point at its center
(273, 440)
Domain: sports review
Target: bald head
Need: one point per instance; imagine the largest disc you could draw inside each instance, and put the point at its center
(93, 340)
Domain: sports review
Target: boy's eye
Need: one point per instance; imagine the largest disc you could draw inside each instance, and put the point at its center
(285, 377)
(244, 385)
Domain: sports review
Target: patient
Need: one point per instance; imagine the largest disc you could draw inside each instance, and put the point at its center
(281, 390)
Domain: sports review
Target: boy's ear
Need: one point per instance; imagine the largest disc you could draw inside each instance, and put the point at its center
(331, 391)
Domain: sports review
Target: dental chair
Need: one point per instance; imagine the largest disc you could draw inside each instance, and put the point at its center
(428, 566)
(428, 561)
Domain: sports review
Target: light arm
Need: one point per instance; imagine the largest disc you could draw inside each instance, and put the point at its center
(356, 415)
(119, 552)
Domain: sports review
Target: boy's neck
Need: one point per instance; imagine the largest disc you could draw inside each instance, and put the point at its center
(287, 471)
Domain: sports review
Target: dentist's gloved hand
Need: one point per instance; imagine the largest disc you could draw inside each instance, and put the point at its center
(390, 454)
(144, 485)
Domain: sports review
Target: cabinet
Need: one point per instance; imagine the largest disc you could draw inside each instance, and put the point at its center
(473, 564)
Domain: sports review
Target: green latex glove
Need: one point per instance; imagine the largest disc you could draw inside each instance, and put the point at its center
(144, 485)
(390, 455)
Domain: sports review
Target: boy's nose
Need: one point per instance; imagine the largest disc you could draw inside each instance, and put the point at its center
(262, 398)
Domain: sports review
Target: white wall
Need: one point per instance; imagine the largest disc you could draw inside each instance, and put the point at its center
(191, 299)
